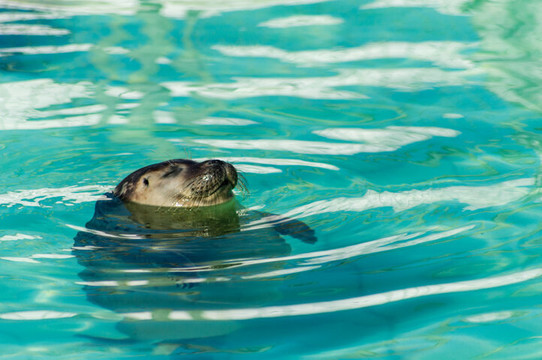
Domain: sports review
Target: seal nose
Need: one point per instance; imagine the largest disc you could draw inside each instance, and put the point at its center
(222, 167)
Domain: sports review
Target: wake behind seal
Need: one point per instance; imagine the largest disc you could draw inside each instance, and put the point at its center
(171, 236)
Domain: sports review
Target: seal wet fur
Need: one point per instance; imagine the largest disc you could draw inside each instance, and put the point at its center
(170, 237)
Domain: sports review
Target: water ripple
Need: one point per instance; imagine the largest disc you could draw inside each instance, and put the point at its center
(416, 171)
(324, 87)
(35, 50)
(302, 20)
(450, 7)
(34, 30)
(36, 315)
(278, 162)
(388, 139)
(312, 260)
(347, 304)
(475, 197)
(446, 54)
(69, 194)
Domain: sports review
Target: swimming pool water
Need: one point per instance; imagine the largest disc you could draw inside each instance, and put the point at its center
(405, 133)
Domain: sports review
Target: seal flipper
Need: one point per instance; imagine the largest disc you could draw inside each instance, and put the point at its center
(287, 226)
(297, 229)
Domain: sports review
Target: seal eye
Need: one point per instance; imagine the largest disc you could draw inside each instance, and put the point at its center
(173, 171)
(145, 181)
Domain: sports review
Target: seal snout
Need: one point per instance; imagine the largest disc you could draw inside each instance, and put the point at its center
(213, 177)
(221, 169)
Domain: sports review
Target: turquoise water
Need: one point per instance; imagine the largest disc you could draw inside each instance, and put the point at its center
(405, 133)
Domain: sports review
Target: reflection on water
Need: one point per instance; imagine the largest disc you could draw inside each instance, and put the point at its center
(510, 49)
(405, 133)
(138, 257)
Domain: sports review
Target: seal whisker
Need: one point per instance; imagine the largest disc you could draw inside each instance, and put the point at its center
(242, 184)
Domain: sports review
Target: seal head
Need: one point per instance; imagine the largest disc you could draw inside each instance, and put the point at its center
(179, 183)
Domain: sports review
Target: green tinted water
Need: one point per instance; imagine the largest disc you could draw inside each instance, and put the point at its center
(404, 133)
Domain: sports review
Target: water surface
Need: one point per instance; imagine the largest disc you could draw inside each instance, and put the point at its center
(405, 133)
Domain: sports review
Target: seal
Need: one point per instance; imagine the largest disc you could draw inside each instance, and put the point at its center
(171, 236)
(179, 183)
